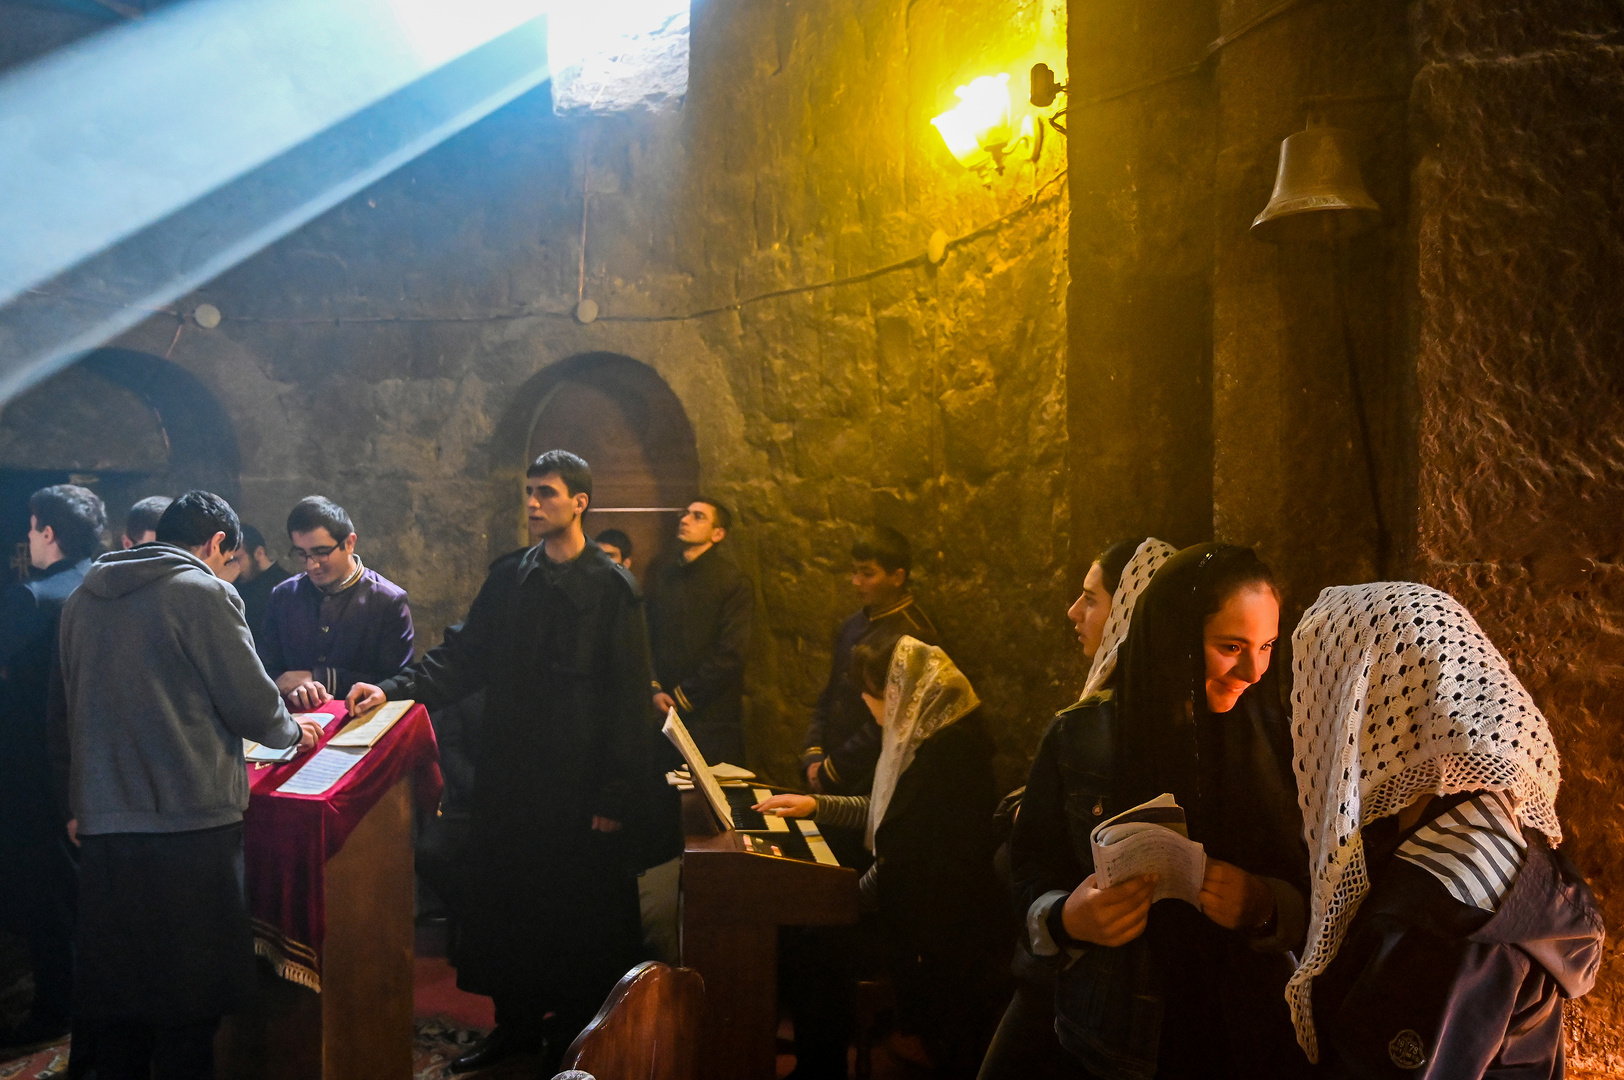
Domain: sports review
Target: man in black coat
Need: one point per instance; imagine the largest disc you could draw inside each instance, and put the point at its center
(37, 875)
(560, 819)
(699, 610)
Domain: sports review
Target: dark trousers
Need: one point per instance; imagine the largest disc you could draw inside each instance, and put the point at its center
(38, 883)
(532, 1024)
(1025, 1046)
(818, 969)
(129, 1050)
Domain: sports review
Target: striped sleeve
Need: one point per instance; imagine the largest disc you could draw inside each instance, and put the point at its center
(1474, 850)
(847, 811)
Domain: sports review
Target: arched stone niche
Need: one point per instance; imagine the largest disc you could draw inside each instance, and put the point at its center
(624, 419)
(126, 425)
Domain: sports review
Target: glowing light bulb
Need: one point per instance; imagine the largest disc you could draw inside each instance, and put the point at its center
(977, 128)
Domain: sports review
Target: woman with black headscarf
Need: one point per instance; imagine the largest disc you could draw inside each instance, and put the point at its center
(1169, 990)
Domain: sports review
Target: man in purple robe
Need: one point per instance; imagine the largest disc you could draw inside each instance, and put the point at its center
(337, 623)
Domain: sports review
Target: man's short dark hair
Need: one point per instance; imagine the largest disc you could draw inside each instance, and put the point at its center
(143, 516)
(73, 514)
(885, 546)
(723, 516)
(252, 539)
(319, 512)
(619, 540)
(568, 467)
(196, 516)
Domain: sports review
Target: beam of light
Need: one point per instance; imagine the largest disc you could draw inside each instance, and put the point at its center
(144, 162)
(141, 163)
(110, 134)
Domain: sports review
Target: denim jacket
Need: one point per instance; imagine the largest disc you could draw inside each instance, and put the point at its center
(1109, 1002)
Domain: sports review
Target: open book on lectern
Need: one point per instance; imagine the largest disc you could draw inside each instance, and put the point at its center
(704, 779)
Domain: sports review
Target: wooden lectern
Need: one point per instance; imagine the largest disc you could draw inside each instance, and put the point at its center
(360, 1026)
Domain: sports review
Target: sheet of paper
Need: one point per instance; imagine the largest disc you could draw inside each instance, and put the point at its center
(723, 771)
(259, 754)
(677, 732)
(366, 730)
(1153, 849)
(324, 770)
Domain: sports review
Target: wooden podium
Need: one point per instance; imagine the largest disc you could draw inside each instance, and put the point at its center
(360, 1026)
(734, 899)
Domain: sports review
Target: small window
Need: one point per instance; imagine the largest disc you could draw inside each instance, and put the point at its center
(618, 56)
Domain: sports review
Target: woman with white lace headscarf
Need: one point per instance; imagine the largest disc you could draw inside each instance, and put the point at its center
(1445, 930)
(930, 892)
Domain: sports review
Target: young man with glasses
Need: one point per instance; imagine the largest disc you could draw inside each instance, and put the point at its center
(337, 623)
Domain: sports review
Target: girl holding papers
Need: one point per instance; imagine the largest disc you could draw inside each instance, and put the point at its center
(1189, 708)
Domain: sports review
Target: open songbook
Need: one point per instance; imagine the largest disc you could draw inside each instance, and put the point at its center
(734, 805)
(1152, 838)
(703, 777)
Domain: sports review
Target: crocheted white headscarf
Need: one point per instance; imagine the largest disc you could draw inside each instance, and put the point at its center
(1398, 694)
(924, 693)
(1135, 576)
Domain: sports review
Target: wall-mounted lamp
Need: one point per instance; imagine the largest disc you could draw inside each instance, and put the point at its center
(978, 129)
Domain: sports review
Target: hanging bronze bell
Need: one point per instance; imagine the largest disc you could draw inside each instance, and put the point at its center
(1319, 196)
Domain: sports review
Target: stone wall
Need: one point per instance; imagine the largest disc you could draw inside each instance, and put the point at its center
(383, 354)
(1519, 193)
(1223, 387)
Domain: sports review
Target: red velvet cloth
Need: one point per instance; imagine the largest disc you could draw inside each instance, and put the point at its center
(287, 839)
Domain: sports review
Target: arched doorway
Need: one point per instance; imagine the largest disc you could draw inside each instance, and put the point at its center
(124, 424)
(624, 420)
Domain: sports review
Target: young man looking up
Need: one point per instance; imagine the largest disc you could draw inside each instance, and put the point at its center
(161, 687)
(843, 741)
(547, 913)
(257, 576)
(337, 623)
(37, 875)
(141, 523)
(699, 610)
(617, 545)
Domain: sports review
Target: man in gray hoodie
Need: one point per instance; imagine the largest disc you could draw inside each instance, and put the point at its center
(160, 686)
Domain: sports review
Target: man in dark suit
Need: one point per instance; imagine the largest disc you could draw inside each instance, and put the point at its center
(37, 875)
(699, 610)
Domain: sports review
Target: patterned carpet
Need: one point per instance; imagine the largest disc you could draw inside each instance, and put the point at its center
(40, 1065)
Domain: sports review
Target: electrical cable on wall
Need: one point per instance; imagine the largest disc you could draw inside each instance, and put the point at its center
(1037, 200)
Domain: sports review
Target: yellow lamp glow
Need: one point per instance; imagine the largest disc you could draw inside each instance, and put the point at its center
(976, 130)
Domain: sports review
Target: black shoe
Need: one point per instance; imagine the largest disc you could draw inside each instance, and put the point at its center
(32, 1035)
(499, 1045)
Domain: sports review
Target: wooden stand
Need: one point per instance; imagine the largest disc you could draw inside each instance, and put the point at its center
(360, 1026)
(733, 902)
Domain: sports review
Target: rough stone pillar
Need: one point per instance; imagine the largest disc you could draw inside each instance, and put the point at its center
(1521, 377)
(1305, 467)
(1139, 373)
